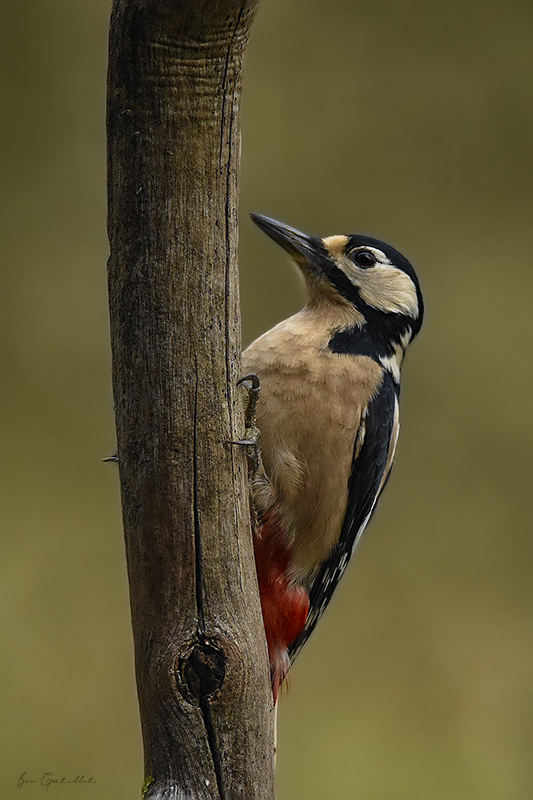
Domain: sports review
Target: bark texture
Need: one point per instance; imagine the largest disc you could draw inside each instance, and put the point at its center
(174, 142)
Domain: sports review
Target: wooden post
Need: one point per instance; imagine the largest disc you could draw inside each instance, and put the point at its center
(200, 652)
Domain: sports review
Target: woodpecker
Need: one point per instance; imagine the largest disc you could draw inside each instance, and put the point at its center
(327, 418)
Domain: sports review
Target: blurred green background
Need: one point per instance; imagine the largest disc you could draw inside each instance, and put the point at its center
(406, 120)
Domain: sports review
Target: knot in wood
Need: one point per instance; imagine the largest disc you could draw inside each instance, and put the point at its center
(202, 670)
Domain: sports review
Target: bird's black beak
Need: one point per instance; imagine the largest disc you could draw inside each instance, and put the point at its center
(307, 251)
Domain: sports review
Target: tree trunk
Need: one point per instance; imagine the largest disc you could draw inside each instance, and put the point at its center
(174, 141)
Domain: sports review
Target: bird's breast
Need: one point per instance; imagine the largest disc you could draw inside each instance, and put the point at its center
(309, 412)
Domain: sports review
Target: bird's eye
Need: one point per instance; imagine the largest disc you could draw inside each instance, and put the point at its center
(363, 258)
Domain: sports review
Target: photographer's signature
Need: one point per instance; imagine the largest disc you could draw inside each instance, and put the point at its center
(48, 779)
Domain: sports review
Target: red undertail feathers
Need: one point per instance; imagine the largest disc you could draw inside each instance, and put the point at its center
(284, 604)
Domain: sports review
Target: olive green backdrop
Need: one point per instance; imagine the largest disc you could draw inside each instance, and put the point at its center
(407, 120)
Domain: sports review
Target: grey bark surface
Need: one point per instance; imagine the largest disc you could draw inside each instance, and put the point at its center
(173, 145)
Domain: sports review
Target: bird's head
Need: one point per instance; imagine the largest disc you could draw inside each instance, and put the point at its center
(373, 277)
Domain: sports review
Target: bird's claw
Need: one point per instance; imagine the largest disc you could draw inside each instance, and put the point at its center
(251, 446)
(253, 379)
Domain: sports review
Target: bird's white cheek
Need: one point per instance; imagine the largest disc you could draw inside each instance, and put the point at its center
(388, 289)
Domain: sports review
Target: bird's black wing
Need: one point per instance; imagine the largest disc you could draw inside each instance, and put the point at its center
(366, 480)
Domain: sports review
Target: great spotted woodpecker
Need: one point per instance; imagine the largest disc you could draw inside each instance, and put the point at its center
(327, 416)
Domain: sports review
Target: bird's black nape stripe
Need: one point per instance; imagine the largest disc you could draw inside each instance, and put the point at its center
(375, 342)
(368, 470)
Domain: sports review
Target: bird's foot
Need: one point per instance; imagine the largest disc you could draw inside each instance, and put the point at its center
(254, 390)
(251, 431)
